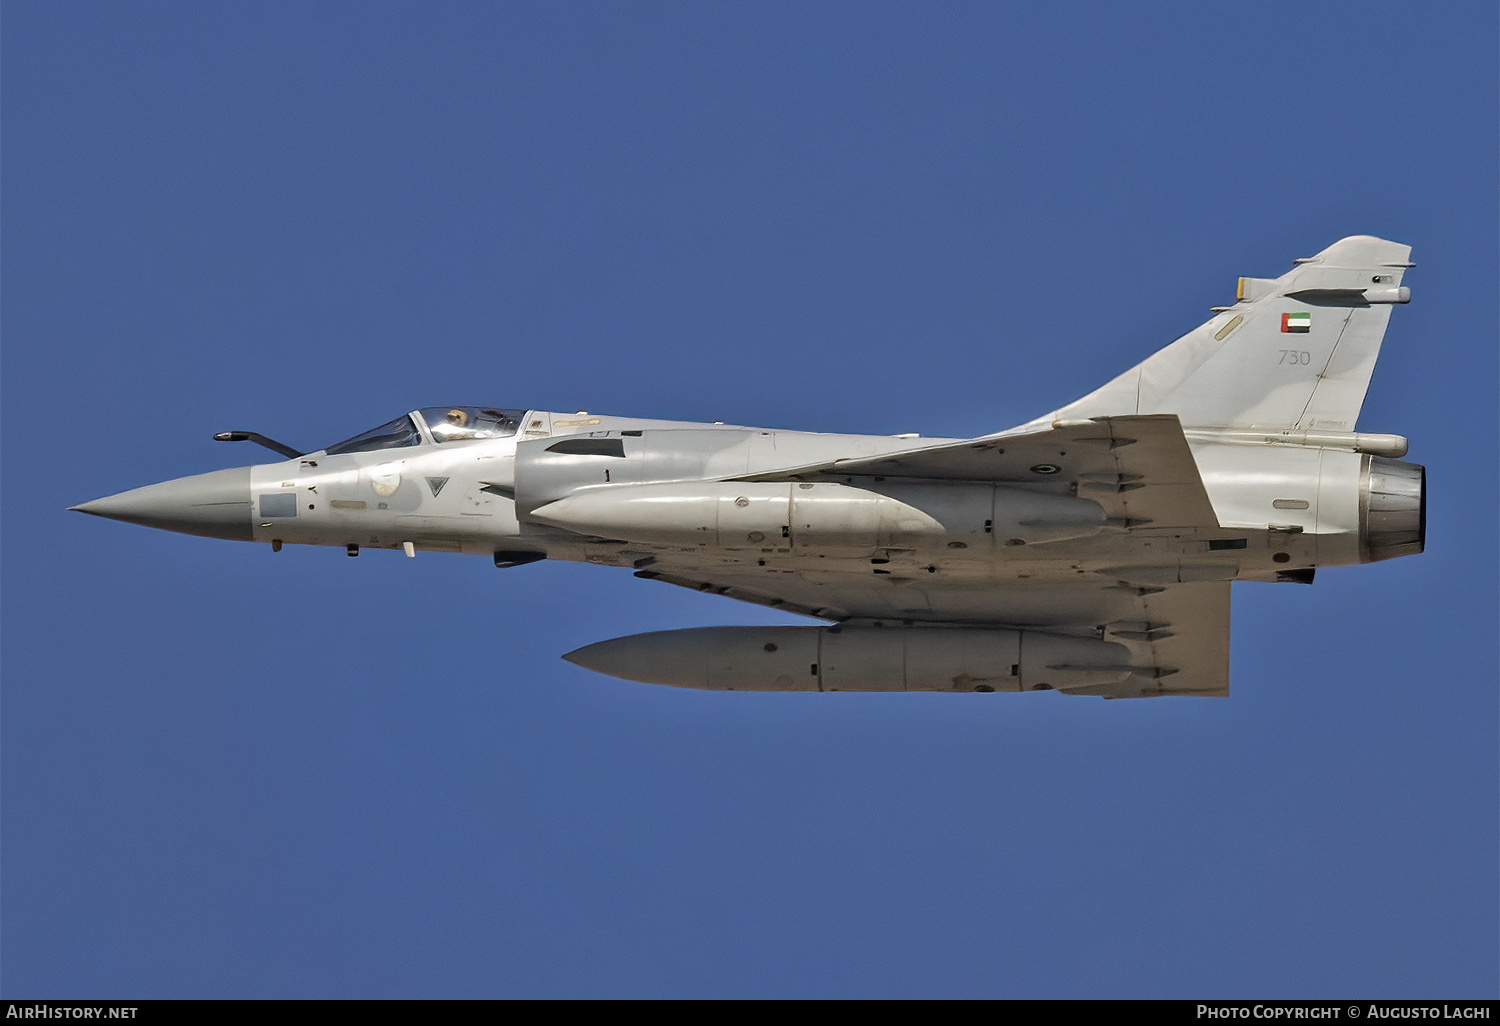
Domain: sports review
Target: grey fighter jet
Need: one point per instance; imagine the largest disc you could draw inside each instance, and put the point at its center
(1089, 551)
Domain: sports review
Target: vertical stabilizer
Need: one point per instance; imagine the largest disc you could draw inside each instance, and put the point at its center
(1294, 353)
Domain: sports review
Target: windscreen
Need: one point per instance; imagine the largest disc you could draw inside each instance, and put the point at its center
(465, 423)
(398, 434)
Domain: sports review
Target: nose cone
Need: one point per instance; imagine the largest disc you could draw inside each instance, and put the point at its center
(214, 505)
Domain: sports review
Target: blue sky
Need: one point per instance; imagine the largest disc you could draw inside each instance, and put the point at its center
(233, 774)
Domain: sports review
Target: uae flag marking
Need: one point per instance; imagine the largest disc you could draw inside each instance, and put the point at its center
(1296, 323)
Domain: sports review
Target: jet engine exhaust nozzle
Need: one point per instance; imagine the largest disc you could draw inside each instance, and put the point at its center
(1392, 509)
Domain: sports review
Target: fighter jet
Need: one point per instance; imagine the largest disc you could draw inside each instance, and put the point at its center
(1089, 551)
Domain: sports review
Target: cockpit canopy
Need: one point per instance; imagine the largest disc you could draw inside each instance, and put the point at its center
(442, 423)
(465, 423)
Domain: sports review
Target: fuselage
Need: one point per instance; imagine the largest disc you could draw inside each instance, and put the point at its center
(1283, 506)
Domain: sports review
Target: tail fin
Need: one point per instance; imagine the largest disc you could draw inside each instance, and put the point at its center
(1294, 353)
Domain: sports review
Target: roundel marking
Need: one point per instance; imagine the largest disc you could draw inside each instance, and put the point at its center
(1046, 468)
